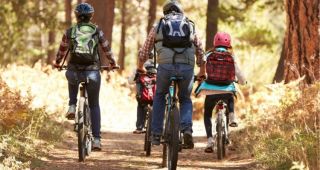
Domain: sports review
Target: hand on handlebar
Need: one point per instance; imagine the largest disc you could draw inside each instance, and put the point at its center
(56, 65)
(199, 78)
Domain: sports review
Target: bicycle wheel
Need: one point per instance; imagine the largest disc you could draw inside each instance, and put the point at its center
(164, 155)
(220, 141)
(81, 130)
(148, 134)
(173, 142)
(88, 131)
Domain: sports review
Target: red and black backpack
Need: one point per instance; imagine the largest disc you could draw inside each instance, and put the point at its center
(147, 89)
(220, 68)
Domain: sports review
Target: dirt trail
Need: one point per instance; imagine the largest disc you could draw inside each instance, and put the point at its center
(124, 150)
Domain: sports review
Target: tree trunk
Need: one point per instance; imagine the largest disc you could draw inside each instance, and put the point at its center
(152, 14)
(279, 76)
(122, 52)
(104, 17)
(68, 9)
(212, 21)
(302, 41)
(51, 51)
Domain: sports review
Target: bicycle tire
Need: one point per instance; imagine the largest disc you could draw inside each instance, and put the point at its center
(219, 138)
(164, 155)
(81, 130)
(173, 143)
(148, 134)
(87, 127)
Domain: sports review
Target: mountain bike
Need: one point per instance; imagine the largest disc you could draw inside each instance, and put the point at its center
(222, 122)
(171, 136)
(82, 124)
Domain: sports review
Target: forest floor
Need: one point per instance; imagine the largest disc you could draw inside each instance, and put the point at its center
(124, 150)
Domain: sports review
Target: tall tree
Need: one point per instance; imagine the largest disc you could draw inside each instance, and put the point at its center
(212, 21)
(104, 18)
(104, 15)
(152, 13)
(51, 42)
(301, 49)
(122, 52)
(68, 9)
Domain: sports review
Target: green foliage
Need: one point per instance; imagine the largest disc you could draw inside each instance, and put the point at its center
(22, 23)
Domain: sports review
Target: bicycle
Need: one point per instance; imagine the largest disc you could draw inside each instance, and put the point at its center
(171, 135)
(222, 122)
(83, 118)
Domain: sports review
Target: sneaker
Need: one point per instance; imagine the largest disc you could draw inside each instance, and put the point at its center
(71, 114)
(232, 120)
(138, 131)
(188, 140)
(96, 144)
(155, 139)
(209, 147)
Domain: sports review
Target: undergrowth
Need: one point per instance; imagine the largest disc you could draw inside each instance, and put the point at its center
(285, 133)
(26, 133)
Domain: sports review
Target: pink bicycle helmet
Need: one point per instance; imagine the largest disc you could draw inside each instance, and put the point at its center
(222, 39)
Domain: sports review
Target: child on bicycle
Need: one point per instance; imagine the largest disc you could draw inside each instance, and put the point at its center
(145, 85)
(83, 40)
(222, 74)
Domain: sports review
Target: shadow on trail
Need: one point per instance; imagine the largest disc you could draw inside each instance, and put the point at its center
(125, 151)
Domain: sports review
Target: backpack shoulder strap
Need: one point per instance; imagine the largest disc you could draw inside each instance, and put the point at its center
(160, 23)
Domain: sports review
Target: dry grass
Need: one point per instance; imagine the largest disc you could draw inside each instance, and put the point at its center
(282, 126)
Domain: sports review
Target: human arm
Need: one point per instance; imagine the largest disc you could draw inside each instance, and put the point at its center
(201, 60)
(63, 48)
(106, 48)
(145, 50)
(240, 76)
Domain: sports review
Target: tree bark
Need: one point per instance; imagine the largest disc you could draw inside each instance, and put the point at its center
(122, 52)
(212, 22)
(51, 51)
(301, 48)
(279, 76)
(68, 9)
(152, 14)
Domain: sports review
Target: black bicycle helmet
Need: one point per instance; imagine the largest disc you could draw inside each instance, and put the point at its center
(84, 12)
(171, 6)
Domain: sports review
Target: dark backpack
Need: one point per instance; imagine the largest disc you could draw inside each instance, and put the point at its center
(84, 44)
(147, 88)
(220, 68)
(176, 31)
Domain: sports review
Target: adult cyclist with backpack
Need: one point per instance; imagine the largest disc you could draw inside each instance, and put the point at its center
(82, 41)
(176, 42)
(222, 70)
